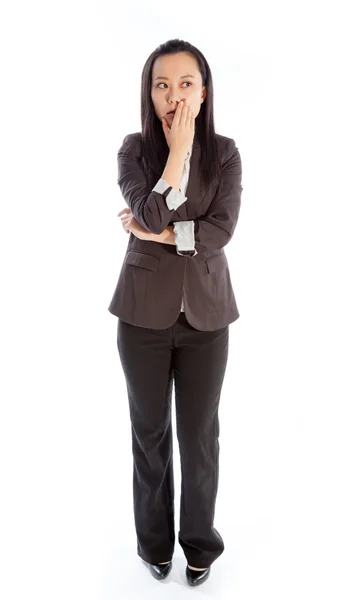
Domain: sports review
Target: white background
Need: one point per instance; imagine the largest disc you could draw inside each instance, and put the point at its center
(284, 78)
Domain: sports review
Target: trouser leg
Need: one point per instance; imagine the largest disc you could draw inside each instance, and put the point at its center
(199, 362)
(145, 356)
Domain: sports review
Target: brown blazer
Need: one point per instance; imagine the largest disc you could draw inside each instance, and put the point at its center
(153, 277)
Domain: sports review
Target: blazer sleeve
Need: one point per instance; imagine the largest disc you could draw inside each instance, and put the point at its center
(151, 208)
(215, 229)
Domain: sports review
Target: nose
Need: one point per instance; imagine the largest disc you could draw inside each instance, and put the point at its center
(174, 99)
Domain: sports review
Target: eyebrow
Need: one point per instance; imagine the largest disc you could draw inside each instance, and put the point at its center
(182, 77)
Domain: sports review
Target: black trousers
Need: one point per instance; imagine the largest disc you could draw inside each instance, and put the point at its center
(152, 359)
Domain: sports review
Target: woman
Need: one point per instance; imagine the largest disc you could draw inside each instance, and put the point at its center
(174, 302)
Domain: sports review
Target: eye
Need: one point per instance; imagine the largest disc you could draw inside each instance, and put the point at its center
(163, 83)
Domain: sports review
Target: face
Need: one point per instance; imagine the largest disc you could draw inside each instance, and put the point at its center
(176, 76)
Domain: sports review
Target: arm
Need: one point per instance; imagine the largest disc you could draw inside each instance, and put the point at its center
(152, 209)
(215, 229)
(181, 235)
(166, 237)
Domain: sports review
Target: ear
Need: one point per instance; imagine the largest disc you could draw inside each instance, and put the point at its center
(203, 94)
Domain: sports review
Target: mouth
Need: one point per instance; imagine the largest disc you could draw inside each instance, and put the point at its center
(171, 113)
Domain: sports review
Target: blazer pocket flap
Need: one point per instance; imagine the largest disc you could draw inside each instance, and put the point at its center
(215, 263)
(139, 259)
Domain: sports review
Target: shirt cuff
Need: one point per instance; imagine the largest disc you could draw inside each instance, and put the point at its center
(174, 199)
(185, 237)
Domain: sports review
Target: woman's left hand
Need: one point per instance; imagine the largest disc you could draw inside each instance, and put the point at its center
(130, 224)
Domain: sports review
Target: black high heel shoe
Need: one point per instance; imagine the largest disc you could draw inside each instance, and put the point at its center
(197, 577)
(159, 571)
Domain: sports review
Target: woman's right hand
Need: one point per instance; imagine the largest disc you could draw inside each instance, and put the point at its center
(180, 137)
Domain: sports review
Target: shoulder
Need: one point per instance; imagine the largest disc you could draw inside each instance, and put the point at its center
(228, 150)
(226, 147)
(131, 144)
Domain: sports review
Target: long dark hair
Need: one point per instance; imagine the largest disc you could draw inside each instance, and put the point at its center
(154, 146)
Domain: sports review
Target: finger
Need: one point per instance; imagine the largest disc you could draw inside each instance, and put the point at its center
(125, 210)
(178, 113)
(184, 112)
(188, 115)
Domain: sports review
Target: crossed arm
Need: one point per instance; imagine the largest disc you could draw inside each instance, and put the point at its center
(152, 212)
(166, 237)
(130, 224)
